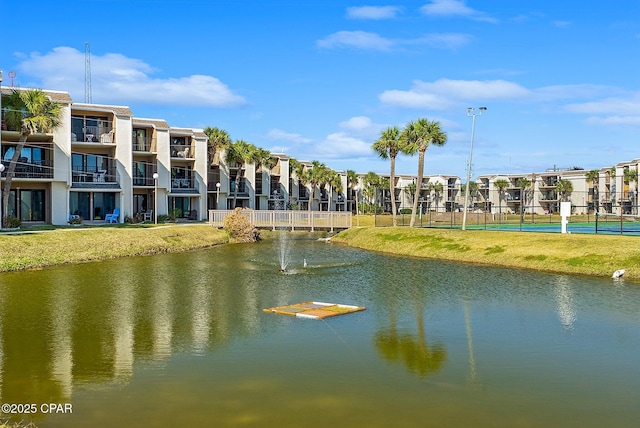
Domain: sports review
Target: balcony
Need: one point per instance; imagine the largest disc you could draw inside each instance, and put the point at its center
(141, 144)
(144, 180)
(184, 185)
(94, 177)
(181, 151)
(34, 169)
(92, 130)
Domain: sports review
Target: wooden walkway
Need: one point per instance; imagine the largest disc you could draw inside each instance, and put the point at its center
(289, 219)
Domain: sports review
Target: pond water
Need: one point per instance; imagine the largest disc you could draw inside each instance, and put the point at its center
(181, 340)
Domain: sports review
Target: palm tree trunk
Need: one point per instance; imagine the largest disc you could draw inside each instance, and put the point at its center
(11, 172)
(392, 180)
(235, 191)
(416, 196)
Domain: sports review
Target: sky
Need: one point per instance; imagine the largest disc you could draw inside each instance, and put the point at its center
(321, 79)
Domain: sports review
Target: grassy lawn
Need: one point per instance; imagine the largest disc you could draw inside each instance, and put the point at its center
(70, 245)
(585, 254)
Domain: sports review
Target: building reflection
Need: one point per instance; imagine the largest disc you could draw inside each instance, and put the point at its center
(565, 307)
(60, 329)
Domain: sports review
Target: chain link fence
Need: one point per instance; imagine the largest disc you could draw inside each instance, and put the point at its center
(512, 209)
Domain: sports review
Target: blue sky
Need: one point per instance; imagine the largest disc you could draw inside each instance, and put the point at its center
(319, 80)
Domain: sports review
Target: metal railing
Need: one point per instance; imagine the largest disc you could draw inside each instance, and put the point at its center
(288, 219)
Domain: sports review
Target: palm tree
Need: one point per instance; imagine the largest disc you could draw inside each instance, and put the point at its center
(524, 184)
(410, 189)
(501, 184)
(630, 176)
(352, 181)
(262, 157)
(473, 191)
(218, 139)
(416, 137)
(239, 153)
(437, 192)
(31, 112)
(388, 146)
(564, 187)
(592, 177)
(313, 176)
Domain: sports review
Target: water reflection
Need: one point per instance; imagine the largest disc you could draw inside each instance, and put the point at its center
(191, 325)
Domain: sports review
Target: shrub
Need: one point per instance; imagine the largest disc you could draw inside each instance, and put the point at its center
(11, 222)
(239, 228)
(405, 211)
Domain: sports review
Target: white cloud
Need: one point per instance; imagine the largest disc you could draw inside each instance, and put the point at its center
(447, 93)
(356, 39)
(442, 40)
(614, 106)
(277, 134)
(562, 24)
(373, 12)
(445, 8)
(117, 77)
(341, 145)
(357, 123)
(614, 120)
(372, 41)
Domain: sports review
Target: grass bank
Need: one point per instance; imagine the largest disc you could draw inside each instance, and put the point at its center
(597, 255)
(73, 245)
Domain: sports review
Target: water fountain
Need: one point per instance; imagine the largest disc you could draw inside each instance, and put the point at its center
(285, 250)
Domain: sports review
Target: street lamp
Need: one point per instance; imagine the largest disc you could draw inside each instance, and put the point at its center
(218, 195)
(356, 188)
(1, 171)
(470, 112)
(155, 197)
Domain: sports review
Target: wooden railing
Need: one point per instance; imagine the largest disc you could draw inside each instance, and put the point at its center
(288, 219)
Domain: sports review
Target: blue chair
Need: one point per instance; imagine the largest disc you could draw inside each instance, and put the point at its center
(113, 218)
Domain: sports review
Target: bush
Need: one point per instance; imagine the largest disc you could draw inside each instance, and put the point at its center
(405, 211)
(239, 228)
(11, 222)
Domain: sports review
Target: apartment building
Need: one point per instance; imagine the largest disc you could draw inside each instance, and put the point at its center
(101, 159)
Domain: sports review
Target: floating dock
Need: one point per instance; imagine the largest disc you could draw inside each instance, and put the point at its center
(315, 310)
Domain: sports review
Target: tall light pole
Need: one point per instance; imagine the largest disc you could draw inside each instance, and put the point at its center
(356, 188)
(1, 207)
(155, 197)
(218, 195)
(470, 112)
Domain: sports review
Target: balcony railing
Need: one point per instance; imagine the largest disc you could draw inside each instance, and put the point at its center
(34, 169)
(145, 180)
(94, 175)
(142, 144)
(180, 151)
(90, 130)
(183, 184)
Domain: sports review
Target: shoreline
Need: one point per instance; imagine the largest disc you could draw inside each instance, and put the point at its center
(595, 255)
(39, 249)
(576, 254)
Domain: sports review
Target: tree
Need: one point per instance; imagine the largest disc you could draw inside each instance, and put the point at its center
(239, 153)
(31, 112)
(371, 182)
(217, 139)
(630, 176)
(410, 189)
(437, 188)
(564, 187)
(352, 181)
(593, 177)
(416, 137)
(312, 176)
(524, 184)
(501, 184)
(388, 146)
(473, 190)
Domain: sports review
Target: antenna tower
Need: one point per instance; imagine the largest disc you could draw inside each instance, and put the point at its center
(87, 73)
